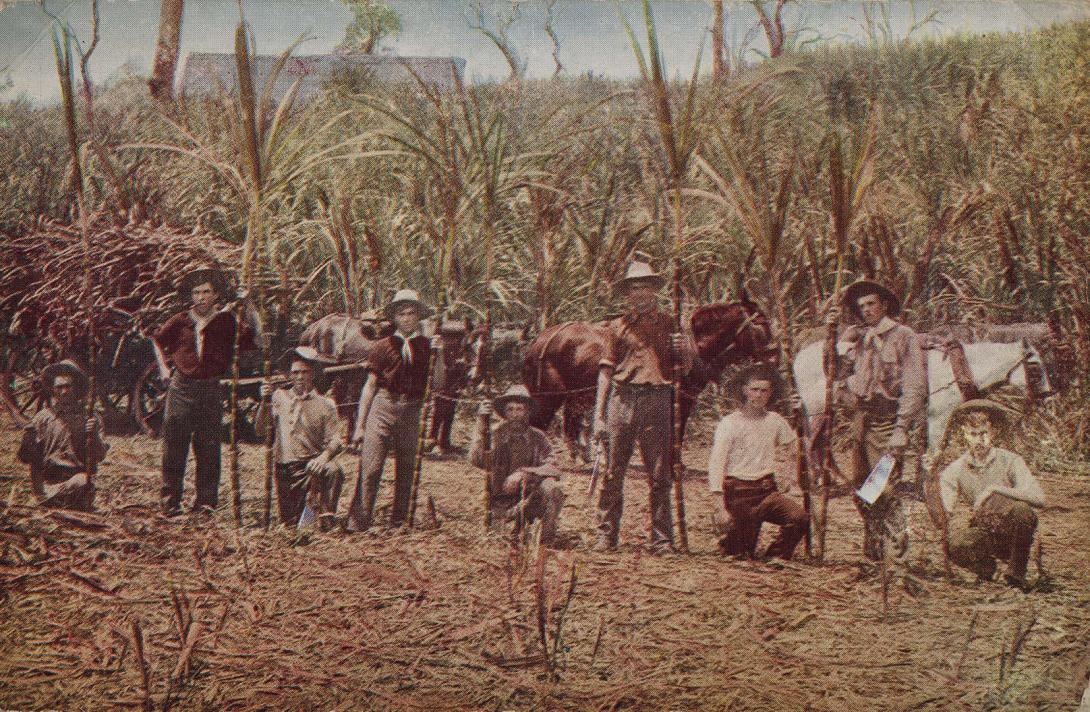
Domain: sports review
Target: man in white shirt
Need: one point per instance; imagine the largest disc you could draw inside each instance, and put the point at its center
(306, 441)
(1002, 492)
(741, 472)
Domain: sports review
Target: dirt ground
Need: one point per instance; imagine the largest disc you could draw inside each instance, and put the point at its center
(450, 618)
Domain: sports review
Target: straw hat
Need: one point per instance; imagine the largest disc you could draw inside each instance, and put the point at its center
(216, 277)
(305, 353)
(515, 393)
(408, 296)
(999, 415)
(864, 287)
(66, 367)
(639, 272)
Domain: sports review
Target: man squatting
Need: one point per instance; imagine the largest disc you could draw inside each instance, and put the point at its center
(742, 468)
(524, 483)
(307, 436)
(57, 441)
(1002, 493)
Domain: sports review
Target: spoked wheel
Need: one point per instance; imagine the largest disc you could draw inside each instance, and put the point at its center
(20, 390)
(247, 417)
(149, 400)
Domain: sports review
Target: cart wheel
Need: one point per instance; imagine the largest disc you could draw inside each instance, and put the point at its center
(20, 390)
(149, 399)
(247, 417)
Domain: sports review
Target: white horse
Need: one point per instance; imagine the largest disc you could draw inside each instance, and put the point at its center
(992, 364)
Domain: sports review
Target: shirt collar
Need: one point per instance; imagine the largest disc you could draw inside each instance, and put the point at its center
(201, 321)
(296, 397)
(988, 459)
(884, 326)
(410, 337)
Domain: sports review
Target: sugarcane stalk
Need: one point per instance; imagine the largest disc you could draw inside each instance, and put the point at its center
(65, 77)
(253, 234)
(422, 427)
(675, 413)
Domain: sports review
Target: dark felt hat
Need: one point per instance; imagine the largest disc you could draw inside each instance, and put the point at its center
(864, 287)
(305, 353)
(66, 367)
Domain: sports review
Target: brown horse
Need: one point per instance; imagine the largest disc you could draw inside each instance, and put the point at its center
(561, 365)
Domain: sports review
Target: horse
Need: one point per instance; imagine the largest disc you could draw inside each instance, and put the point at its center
(990, 364)
(561, 364)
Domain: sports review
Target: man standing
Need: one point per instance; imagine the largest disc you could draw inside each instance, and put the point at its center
(1002, 493)
(389, 410)
(524, 483)
(445, 401)
(886, 394)
(55, 442)
(200, 343)
(307, 438)
(635, 377)
(742, 471)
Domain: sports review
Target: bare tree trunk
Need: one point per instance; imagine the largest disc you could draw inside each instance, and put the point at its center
(551, 32)
(720, 70)
(773, 26)
(161, 83)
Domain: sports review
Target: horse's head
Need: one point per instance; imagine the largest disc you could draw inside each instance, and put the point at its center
(728, 334)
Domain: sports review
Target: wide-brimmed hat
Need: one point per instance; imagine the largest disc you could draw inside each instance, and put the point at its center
(309, 354)
(518, 393)
(863, 287)
(639, 272)
(216, 277)
(762, 370)
(999, 415)
(407, 296)
(66, 367)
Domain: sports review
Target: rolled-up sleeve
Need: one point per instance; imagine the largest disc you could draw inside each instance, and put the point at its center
(610, 356)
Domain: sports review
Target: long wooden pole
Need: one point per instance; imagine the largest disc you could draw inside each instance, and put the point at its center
(677, 425)
(64, 75)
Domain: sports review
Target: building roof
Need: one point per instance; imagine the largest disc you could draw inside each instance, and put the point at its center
(207, 72)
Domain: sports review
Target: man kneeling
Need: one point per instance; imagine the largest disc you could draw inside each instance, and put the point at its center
(1002, 492)
(741, 472)
(58, 440)
(525, 485)
(307, 438)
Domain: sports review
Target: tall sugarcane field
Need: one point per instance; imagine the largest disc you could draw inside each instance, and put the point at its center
(413, 324)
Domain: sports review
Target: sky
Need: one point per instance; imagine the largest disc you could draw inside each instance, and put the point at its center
(591, 36)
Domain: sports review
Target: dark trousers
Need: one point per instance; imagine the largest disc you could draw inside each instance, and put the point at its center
(751, 504)
(68, 488)
(294, 487)
(392, 425)
(194, 416)
(442, 420)
(1002, 528)
(885, 523)
(638, 414)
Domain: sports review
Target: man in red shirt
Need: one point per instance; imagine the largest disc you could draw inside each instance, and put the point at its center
(389, 410)
(200, 343)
